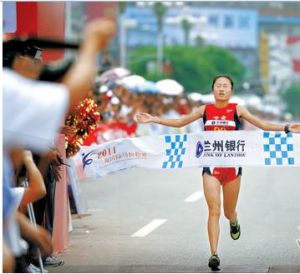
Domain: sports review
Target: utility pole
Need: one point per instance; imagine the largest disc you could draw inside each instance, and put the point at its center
(122, 29)
(160, 10)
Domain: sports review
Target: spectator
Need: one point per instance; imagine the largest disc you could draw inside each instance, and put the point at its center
(33, 127)
(35, 97)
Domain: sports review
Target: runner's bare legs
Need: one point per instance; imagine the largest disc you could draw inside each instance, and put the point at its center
(212, 191)
(230, 197)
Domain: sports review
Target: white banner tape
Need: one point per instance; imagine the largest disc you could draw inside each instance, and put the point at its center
(210, 148)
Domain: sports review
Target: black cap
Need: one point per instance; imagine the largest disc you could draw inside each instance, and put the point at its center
(31, 46)
(13, 48)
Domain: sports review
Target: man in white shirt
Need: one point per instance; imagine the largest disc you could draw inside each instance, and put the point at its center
(33, 110)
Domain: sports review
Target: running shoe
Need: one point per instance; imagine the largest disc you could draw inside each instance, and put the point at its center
(53, 261)
(235, 230)
(214, 262)
(31, 268)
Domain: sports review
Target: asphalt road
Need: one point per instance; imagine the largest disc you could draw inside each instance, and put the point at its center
(155, 221)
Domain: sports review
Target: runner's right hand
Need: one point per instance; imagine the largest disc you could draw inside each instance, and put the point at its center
(142, 117)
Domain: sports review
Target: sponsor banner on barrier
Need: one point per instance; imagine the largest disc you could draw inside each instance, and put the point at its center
(210, 148)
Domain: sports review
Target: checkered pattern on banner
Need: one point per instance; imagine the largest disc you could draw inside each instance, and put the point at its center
(279, 148)
(175, 149)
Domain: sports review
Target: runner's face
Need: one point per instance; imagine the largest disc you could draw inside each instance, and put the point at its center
(222, 89)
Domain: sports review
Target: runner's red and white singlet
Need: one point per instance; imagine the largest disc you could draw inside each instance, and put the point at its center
(222, 119)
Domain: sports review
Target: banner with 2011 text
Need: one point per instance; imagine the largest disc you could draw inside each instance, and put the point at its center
(210, 148)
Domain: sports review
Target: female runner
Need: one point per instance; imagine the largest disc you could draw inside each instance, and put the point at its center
(215, 178)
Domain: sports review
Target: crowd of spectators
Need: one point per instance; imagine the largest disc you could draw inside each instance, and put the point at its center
(117, 106)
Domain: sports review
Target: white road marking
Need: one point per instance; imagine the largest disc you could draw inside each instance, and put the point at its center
(194, 197)
(149, 228)
(299, 227)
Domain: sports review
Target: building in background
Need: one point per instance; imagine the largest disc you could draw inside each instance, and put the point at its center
(264, 36)
(232, 28)
(279, 27)
(248, 29)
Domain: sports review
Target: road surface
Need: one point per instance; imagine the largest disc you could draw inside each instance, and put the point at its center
(155, 221)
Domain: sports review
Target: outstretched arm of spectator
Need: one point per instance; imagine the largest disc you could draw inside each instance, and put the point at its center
(80, 77)
(36, 187)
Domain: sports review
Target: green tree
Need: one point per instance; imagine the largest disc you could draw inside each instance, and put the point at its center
(292, 98)
(193, 67)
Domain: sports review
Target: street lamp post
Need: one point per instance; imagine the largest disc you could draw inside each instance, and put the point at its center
(160, 49)
(124, 25)
(186, 26)
(122, 42)
(160, 10)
